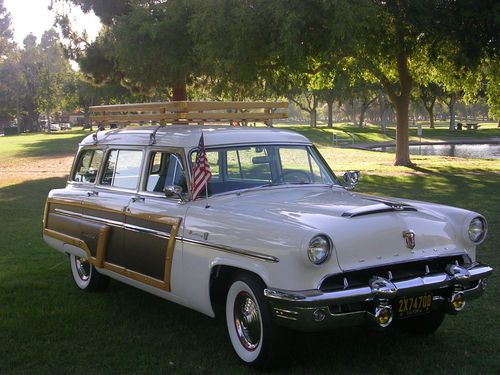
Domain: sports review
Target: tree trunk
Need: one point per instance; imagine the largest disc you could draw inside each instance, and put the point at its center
(431, 116)
(179, 90)
(430, 110)
(362, 117)
(312, 118)
(381, 101)
(365, 104)
(330, 113)
(48, 121)
(353, 113)
(451, 108)
(402, 144)
(402, 103)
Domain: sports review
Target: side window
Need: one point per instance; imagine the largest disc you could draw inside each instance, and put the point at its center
(165, 169)
(250, 164)
(213, 161)
(87, 166)
(123, 169)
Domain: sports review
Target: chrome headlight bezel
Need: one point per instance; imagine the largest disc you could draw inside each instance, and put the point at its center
(319, 249)
(477, 229)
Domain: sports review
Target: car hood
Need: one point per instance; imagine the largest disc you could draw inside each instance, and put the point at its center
(365, 230)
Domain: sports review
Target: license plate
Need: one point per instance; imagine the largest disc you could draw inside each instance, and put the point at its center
(414, 305)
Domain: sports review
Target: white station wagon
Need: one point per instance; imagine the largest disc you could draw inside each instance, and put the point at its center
(276, 240)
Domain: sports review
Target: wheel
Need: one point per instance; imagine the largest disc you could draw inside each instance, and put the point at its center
(250, 324)
(296, 177)
(85, 275)
(422, 325)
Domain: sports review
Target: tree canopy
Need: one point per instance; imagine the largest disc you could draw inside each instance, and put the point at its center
(308, 51)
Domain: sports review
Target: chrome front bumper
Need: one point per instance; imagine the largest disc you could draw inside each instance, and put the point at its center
(316, 310)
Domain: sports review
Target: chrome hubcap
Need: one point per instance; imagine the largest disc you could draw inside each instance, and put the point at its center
(83, 268)
(247, 321)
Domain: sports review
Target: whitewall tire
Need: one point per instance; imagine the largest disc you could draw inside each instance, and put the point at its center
(85, 275)
(249, 320)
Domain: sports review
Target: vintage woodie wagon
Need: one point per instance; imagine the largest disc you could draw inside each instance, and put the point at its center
(276, 240)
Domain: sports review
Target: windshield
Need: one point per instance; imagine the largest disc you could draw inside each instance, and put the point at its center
(243, 167)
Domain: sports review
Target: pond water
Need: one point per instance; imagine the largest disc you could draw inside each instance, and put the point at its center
(489, 151)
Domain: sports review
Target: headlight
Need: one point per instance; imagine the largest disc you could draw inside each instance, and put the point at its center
(477, 229)
(319, 249)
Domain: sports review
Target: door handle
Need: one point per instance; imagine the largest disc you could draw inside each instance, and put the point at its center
(92, 193)
(137, 198)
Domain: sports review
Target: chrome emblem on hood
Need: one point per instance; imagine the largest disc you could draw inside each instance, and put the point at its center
(409, 237)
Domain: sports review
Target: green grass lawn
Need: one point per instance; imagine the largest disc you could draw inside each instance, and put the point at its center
(48, 326)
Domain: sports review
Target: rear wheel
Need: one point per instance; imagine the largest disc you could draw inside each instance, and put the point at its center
(422, 325)
(250, 325)
(85, 275)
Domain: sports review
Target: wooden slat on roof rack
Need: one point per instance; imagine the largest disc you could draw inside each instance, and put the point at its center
(186, 112)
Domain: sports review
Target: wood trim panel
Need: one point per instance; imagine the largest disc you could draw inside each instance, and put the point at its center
(99, 260)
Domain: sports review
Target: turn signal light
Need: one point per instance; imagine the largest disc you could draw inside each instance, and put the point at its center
(383, 316)
(457, 301)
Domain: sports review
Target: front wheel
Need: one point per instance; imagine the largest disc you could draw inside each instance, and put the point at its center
(250, 325)
(85, 275)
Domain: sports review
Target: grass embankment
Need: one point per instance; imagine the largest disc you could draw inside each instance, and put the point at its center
(48, 326)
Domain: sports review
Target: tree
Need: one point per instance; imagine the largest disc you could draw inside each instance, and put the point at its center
(429, 94)
(156, 32)
(11, 89)
(6, 35)
(53, 72)
(492, 74)
(386, 38)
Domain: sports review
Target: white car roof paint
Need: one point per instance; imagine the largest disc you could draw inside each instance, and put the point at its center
(188, 136)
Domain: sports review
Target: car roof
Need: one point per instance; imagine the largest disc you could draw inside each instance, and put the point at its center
(188, 136)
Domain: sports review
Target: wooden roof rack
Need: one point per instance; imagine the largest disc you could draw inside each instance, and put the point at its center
(186, 112)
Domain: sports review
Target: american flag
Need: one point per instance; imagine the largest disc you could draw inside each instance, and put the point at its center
(201, 170)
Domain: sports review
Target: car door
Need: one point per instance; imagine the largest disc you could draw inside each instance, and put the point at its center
(104, 208)
(153, 221)
(63, 215)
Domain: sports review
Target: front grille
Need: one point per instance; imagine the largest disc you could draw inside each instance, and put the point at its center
(395, 272)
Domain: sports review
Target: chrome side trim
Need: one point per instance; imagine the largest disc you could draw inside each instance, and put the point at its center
(165, 235)
(228, 249)
(114, 223)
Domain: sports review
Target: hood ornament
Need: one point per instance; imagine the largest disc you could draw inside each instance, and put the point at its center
(409, 237)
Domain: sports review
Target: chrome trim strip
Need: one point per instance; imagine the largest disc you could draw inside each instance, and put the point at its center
(228, 249)
(165, 235)
(114, 223)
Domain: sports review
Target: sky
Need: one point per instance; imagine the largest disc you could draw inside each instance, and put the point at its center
(33, 16)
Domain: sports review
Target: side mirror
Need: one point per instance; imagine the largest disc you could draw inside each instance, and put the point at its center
(351, 179)
(174, 191)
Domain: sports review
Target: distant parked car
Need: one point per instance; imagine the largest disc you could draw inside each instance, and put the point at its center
(65, 125)
(55, 127)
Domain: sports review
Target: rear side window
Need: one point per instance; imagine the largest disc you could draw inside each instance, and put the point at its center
(122, 169)
(87, 166)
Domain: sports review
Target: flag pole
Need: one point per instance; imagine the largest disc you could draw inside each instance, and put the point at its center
(206, 195)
